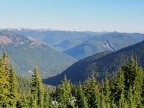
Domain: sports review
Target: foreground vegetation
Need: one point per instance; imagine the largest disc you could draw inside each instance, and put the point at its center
(124, 90)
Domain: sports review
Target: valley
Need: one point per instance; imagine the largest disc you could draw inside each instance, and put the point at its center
(54, 51)
(25, 52)
(72, 54)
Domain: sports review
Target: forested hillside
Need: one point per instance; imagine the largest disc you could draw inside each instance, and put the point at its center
(106, 65)
(76, 72)
(71, 54)
(81, 44)
(109, 41)
(123, 90)
(25, 52)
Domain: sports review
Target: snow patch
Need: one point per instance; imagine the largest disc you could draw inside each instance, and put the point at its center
(107, 45)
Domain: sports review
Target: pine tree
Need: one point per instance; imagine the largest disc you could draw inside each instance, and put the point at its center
(134, 78)
(4, 81)
(64, 92)
(106, 93)
(22, 101)
(91, 91)
(119, 86)
(13, 88)
(122, 100)
(5, 62)
(103, 103)
(128, 84)
(130, 98)
(81, 99)
(32, 102)
(37, 89)
(47, 100)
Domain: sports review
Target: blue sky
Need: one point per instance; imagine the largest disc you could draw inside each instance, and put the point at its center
(78, 15)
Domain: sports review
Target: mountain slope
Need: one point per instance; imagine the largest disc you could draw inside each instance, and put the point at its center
(107, 64)
(75, 72)
(82, 44)
(56, 38)
(25, 52)
(138, 36)
(111, 41)
(86, 49)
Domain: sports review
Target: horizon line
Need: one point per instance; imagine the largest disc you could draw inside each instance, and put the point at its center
(51, 29)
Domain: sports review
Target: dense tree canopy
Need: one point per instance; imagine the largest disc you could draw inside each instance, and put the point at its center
(124, 90)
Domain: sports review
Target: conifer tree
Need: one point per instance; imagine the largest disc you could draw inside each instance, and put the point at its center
(37, 89)
(13, 87)
(47, 100)
(64, 92)
(128, 85)
(22, 102)
(130, 98)
(106, 93)
(119, 86)
(91, 91)
(32, 102)
(4, 81)
(134, 78)
(81, 99)
(3, 89)
(5, 62)
(103, 103)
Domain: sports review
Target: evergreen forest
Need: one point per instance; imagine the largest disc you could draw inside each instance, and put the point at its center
(124, 90)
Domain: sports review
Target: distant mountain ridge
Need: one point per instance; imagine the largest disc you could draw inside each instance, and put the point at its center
(105, 42)
(108, 64)
(26, 51)
(41, 47)
(82, 44)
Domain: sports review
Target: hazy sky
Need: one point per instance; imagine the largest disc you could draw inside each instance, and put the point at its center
(79, 15)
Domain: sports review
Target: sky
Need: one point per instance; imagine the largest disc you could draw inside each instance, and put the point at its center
(74, 15)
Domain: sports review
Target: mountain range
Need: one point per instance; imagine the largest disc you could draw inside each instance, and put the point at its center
(106, 63)
(54, 51)
(25, 52)
(110, 41)
(81, 44)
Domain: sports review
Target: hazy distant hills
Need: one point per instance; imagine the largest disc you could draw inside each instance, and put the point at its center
(56, 38)
(138, 36)
(105, 42)
(101, 65)
(25, 52)
(50, 49)
(82, 44)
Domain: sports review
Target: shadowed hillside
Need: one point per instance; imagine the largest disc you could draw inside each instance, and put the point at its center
(106, 65)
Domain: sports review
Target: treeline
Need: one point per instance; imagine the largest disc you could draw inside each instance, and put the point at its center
(11, 93)
(124, 90)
